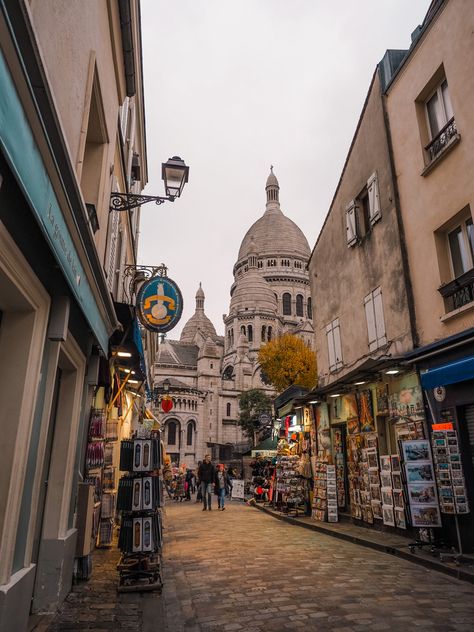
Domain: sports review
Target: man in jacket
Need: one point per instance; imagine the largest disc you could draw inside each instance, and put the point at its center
(206, 475)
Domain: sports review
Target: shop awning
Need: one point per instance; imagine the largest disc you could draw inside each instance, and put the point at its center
(130, 340)
(451, 373)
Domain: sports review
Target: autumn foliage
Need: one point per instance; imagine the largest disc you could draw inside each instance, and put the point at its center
(287, 360)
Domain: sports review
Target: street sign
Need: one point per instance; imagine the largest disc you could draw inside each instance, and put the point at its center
(264, 419)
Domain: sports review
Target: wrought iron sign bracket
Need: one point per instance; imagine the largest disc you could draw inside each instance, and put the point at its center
(128, 201)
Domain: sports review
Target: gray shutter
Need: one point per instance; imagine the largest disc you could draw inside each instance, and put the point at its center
(330, 340)
(337, 343)
(379, 317)
(374, 198)
(351, 224)
(370, 317)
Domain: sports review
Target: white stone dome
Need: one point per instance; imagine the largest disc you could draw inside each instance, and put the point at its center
(252, 292)
(274, 233)
(198, 321)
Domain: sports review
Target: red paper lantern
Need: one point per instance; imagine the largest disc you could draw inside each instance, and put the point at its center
(259, 490)
(166, 404)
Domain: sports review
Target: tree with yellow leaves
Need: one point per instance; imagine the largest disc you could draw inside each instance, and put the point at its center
(287, 360)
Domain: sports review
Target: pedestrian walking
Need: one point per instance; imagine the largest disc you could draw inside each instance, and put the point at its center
(223, 485)
(206, 474)
(189, 483)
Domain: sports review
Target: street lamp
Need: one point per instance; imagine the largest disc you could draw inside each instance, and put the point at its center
(166, 385)
(175, 174)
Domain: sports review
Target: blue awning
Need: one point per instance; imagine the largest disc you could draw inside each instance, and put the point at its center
(451, 373)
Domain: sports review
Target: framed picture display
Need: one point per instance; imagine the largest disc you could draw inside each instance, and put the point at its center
(388, 515)
(400, 518)
(422, 493)
(418, 450)
(385, 464)
(425, 516)
(395, 462)
(386, 479)
(377, 509)
(419, 472)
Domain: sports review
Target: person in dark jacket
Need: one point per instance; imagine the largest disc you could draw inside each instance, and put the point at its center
(223, 485)
(206, 475)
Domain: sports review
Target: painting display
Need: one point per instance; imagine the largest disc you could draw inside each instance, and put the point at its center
(422, 493)
(366, 411)
(449, 472)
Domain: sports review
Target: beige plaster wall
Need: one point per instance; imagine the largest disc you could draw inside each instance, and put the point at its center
(341, 276)
(428, 202)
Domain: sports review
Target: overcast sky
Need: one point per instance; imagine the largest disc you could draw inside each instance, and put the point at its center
(234, 86)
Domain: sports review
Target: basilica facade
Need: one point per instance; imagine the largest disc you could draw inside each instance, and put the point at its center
(205, 372)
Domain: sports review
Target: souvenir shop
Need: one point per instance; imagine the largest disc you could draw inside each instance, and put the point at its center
(120, 494)
(373, 460)
(290, 486)
(447, 378)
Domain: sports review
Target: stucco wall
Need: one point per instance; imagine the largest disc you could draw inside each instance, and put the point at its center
(428, 202)
(341, 276)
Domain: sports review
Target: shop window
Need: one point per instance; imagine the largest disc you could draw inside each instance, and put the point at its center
(375, 319)
(310, 309)
(172, 433)
(299, 305)
(250, 333)
(286, 304)
(91, 168)
(228, 409)
(333, 336)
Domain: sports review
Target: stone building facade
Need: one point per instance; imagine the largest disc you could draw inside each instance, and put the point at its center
(270, 296)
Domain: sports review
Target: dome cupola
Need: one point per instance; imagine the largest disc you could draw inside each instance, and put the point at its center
(198, 321)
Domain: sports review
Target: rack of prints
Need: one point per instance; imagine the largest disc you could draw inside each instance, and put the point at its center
(449, 472)
(421, 486)
(339, 460)
(320, 491)
(393, 501)
(331, 493)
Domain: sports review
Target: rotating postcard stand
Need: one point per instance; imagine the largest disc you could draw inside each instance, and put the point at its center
(139, 499)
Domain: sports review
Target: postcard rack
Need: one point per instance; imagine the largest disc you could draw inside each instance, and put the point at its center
(139, 499)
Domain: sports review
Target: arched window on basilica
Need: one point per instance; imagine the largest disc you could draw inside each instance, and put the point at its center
(227, 413)
(190, 433)
(286, 304)
(264, 333)
(250, 333)
(299, 305)
(269, 334)
(242, 330)
(310, 309)
(171, 432)
(228, 372)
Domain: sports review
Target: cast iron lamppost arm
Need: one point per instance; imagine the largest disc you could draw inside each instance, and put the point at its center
(175, 174)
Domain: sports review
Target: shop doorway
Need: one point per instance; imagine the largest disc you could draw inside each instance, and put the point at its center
(46, 468)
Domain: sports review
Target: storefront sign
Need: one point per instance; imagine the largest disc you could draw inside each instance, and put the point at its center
(446, 426)
(159, 304)
(31, 173)
(237, 489)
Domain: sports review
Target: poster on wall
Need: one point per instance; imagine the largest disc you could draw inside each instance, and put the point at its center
(350, 412)
(366, 411)
(323, 432)
(381, 399)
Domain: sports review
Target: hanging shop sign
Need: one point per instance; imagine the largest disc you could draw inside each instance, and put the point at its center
(166, 404)
(159, 304)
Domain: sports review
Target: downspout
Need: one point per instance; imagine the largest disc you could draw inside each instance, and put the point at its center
(401, 229)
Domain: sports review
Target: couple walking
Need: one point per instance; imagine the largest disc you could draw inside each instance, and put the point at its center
(210, 478)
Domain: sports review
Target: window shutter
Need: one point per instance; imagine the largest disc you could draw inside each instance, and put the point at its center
(379, 318)
(337, 343)
(370, 317)
(374, 198)
(331, 354)
(351, 224)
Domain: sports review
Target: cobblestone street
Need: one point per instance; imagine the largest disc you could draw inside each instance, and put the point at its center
(241, 570)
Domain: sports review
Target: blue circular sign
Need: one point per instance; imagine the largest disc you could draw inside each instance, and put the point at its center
(159, 304)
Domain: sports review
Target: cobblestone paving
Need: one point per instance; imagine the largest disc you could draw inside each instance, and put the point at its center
(96, 606)
(241, 570)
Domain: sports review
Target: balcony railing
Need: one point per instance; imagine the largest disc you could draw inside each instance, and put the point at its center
(441, 141)
(459, 292)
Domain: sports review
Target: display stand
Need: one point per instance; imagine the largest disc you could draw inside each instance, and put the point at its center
(140, 499)
(290, 486)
